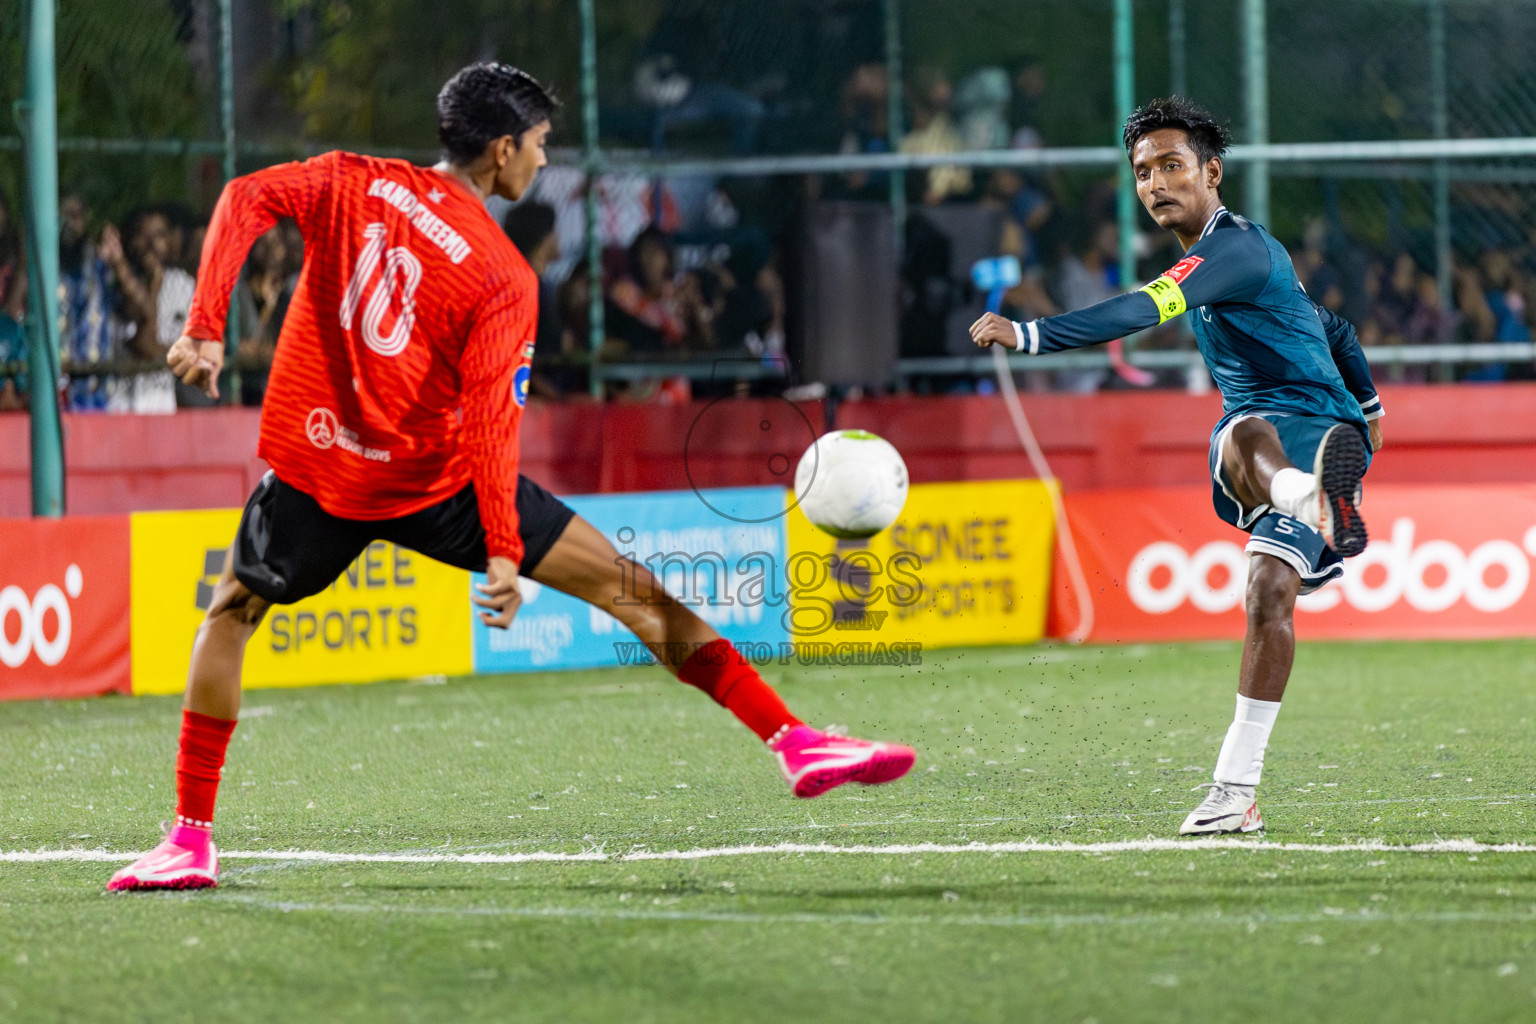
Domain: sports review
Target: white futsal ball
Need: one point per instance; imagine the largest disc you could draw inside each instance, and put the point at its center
(851, 483)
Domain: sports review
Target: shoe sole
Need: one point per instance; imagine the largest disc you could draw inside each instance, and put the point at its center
(145, 885)
(886, 766)
(1339, 466)
(1241, 829)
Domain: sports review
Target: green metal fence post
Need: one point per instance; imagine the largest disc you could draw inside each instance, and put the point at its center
(1256, 76)
(1178, 52)
(1125, 103)
(1440, 128)
(895, 126)
(593, 162)
(227, 83)
(40, 132)
(231, 381)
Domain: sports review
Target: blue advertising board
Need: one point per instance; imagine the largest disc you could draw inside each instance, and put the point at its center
(704, 546)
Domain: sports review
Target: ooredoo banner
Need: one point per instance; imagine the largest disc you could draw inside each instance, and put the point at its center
(63, 607)
(392, 614)
(1443, 563)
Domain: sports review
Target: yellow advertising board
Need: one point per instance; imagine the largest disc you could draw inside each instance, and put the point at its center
(393, 614)
(965, 563)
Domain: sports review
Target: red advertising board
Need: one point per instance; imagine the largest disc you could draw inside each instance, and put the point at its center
(1443, 562)
(64, 603)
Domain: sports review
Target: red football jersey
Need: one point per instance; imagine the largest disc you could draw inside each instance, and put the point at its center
(403, 364)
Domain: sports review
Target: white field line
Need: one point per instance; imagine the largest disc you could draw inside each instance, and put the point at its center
(708, 853)
(917, 920)
(1126, 815)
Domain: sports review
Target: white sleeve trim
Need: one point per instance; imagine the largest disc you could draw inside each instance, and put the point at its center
(1034, 338)
(1018, 336)
(1372, 409)
(1377, 414)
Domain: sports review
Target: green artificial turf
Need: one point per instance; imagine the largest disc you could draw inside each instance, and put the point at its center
(1397, 743)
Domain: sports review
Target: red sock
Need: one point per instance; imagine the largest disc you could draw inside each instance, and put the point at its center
(719, 670)
(199, 765)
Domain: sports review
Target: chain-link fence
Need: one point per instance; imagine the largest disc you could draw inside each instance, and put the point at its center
(763, 166)
(137, 92)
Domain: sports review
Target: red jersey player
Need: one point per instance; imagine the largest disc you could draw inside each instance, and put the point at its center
(392, 414)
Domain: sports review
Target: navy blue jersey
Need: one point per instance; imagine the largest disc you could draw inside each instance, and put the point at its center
(1270, 348)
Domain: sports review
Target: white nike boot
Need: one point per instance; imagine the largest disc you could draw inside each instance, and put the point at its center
(1226, 808)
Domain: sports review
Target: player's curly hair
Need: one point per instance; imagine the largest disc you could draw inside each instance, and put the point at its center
(483, 102)
(1209, 137)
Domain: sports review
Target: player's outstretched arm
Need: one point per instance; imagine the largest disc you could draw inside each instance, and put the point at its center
(1226, 266)
(1349, 357)
(493, 410)
(1101, 322)
(247, 208)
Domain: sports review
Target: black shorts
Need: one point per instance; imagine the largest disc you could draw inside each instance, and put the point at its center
(288, 547)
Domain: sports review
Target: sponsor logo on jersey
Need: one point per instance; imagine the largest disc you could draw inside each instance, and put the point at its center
(321, 427)
(1182, 269)
(520, 381)
(324, 430)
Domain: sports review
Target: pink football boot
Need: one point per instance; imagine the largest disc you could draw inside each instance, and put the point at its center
(186, 860)
(814, 761)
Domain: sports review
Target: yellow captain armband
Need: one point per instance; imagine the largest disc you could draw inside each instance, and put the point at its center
(1165, 291)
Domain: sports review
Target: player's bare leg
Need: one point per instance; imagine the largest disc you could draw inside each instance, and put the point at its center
(584, 564)
(1260, 474)
(188, 859)
(1269, 649)
(1252, 456)
(1327, 498)
(218, 651)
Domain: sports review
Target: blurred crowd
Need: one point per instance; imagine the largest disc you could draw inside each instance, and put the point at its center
(682, 278)
(1395, 300)
(124, 294)
(694, 268)
(1061, 226)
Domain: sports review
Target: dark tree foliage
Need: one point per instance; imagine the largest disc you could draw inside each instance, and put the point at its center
(121, 72)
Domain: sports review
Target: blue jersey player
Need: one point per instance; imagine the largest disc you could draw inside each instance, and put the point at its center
(1300, 417)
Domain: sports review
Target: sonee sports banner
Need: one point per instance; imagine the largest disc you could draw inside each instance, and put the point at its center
(964, 563)
(391, 615)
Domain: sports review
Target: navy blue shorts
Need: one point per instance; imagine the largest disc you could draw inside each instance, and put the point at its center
(1270, 532)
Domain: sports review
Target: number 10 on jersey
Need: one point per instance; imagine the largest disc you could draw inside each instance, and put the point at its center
(402, 270)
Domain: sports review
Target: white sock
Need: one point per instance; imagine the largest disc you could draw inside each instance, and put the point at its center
(1290, 490)
(1241, 760)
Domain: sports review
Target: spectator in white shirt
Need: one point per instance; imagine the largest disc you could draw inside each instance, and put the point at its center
(156, 297)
